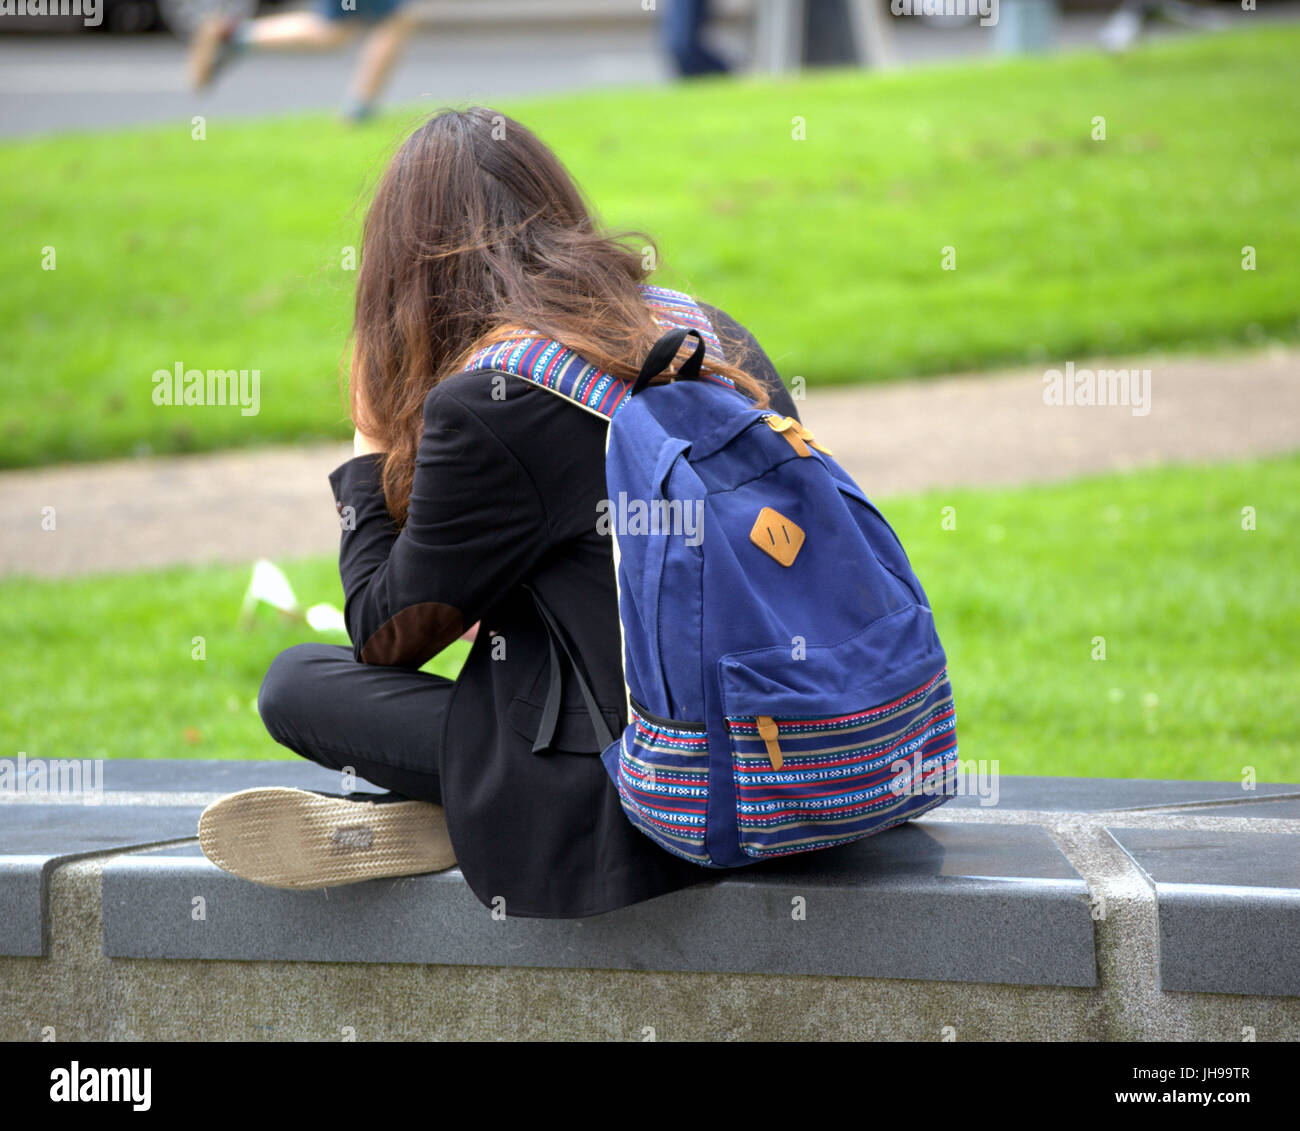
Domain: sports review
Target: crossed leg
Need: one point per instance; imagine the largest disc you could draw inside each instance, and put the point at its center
(382, 723)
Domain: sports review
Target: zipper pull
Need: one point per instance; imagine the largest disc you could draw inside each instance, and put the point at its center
(768, 732)
(808, 438)
(800, 437)
(788, 427)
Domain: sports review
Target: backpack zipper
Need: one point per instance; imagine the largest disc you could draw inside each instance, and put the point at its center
(799, 437)
(768, 731)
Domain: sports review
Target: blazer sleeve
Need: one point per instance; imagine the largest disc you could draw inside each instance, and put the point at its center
(475, 526)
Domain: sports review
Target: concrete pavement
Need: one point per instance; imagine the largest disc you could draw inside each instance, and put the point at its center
(948, 432)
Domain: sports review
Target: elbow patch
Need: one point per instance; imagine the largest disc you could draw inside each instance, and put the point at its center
(414, 635)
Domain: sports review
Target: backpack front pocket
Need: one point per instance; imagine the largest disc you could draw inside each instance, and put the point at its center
(662, 774)
(819, 761)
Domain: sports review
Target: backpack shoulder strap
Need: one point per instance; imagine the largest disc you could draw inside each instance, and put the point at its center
(555, 367)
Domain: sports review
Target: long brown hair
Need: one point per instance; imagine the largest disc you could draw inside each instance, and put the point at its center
(475, 229)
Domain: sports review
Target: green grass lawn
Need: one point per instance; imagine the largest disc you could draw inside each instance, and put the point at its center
(227, 252)
(105, 666)
(1200, 619)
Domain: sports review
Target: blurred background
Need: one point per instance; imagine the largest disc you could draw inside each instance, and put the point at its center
(930, 214)
(58, 73)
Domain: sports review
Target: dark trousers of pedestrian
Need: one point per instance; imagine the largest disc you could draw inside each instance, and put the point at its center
(683, 23)
(381, 723)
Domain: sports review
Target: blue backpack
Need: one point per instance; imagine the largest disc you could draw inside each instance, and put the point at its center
(786, 689)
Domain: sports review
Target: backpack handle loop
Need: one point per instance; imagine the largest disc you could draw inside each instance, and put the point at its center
(661, 356)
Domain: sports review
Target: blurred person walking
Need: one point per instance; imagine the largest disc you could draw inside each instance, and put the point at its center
(1132, 17)
(682, 29)
(329, 25)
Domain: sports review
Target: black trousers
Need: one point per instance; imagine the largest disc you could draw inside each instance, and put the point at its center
(381, 723)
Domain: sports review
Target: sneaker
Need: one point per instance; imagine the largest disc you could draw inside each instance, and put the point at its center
(211, 49)
(292, 838)
(355, 111)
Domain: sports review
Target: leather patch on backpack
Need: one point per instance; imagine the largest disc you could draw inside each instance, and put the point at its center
(777, 536)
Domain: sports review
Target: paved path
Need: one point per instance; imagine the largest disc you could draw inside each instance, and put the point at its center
(950, 432)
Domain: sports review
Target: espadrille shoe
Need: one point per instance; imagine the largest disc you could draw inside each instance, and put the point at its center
(291, 838)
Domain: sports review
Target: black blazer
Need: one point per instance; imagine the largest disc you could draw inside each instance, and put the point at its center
(505, 496)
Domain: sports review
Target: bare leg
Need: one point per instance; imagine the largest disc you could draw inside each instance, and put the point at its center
(382, 47)
(220, 38)
(297, 29)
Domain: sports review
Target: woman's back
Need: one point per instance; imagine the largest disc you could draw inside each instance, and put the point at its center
(507, 492)
(473, 494)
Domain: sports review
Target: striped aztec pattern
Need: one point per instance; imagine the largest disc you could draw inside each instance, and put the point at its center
(663, 781)
(559, 369)
(839, 779)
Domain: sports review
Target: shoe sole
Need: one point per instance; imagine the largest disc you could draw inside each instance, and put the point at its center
(290, 838)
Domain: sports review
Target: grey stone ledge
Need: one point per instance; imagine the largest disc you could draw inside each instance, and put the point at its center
(1229, 907)
(970, 893)
(35, 839)
(950, 903)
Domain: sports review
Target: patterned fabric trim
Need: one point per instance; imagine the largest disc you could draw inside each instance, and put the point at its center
(840, 777)
(558, 368)
(663, 782)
